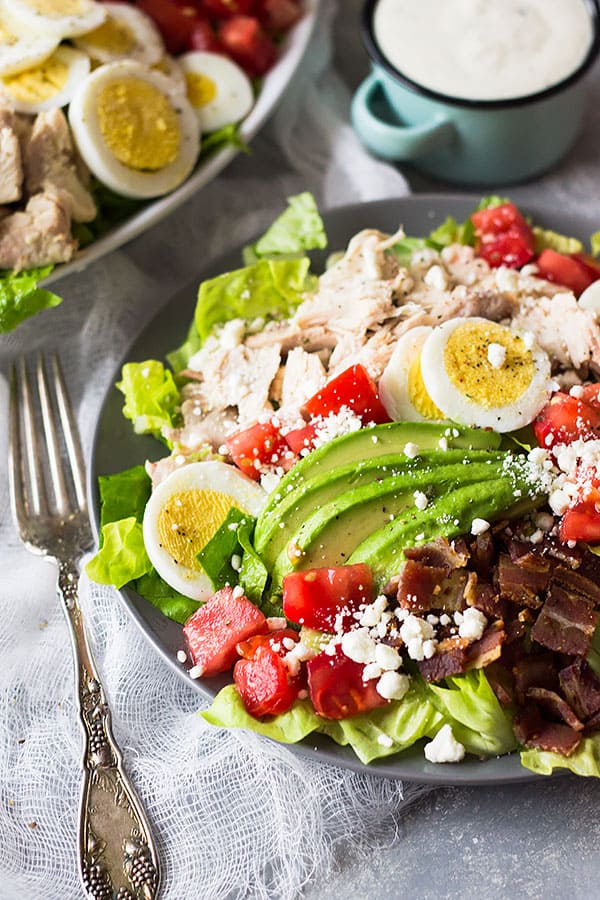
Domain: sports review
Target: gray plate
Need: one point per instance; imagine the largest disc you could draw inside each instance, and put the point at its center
(116, 447)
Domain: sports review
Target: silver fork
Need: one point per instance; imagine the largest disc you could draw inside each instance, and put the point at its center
(117, 855)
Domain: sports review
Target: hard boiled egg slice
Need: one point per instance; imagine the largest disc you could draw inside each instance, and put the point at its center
(55, 18)
(20, 51)
(135, 130)
(126, 33)
(217, 88)
(48, 85)
(482, 374)
(184, 512)
(401, 387)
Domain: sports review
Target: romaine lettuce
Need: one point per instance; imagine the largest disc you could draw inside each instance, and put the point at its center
(20, 296)
(297, 229)
(546, 239)
(584, 761)
(151, 396)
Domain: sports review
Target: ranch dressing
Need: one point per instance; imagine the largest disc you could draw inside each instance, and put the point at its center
(484, 49)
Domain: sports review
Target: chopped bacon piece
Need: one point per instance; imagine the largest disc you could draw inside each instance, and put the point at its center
(482, 553)
(519, 584)
(418, 586)
(486, 598)
(450, 659)
(581, 687)
(580, 581)
(502, 683)
(592, 724)
(441, 553)
(555, 704)
(527, 723)
(488, 648)
(566, 623)
(555, 738)
(537, 670)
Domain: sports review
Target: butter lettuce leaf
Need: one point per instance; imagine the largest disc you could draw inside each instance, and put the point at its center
(267, 289)
(170, 602)
(595, 243)
(122, 556)
(584, 761)
(20, 296)
(124, 494)
(297, 229)
(151, 396)
(546, 239)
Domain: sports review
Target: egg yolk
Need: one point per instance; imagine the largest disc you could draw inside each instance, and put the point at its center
(138, 123)
(470, 371)
(56, 7)
(7, 38)
(188, 521)
(111, 35)
(200, 89)
(417, 392)
(38, 83)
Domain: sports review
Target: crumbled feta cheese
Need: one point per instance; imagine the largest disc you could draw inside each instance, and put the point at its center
(196, 672)
(393, 685)
(544, 521)
(276, 623)
(237, 592)
(411, 450)
(414, 631)
(473, 624)
(559, 502)
(236, 562)
(436, 278)
(506, 279)
(370, 671)
(443, 444)
(385, 740)
(298, 654)
(421, 500)
(387, 657)
(335, 425)
(576, 391)
(445, 619)
(269, 481)
(444, 748)
(496, 355)
(528, 340)
(289, 643)
(479, 526)
(359, 646)
(420, 536)
(429, 648)
(371, 615)
(181, 656)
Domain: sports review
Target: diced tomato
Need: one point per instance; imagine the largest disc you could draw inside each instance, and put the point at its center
(582, 521)
(566, 270)
(337, 689)
(248, 44)
(503, 236)
(274, 640)
(215, 630)
(203, 37)
(353, 388)
(588, 262)
(278, 16)
(301, 438)
(263, 680)
(259, 446)
(226, 9)
(174, 21)
(316, 597)
(566, 419)
(591, 394)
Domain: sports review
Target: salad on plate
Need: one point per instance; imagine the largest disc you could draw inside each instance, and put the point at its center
(104, 106)
(380, 508)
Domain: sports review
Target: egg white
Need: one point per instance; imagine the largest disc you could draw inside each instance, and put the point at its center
(78, 66)
(456, 405)
(590, 298)
(83, 119)
(21, 51)
(394, 385)
(48, 18)
(147, 44)
(211, 475)
(233, 91)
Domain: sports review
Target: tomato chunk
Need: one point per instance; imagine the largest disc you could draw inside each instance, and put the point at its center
(582, 521)
(203, 37)
(591, 395)
(277, 16)
(566, 419)
(248, 44)
(337, 689)
(215, 629)
(503, 236)
(174, 20)
(300, 439)
(274, 640)
(315, 598)
(264, 682)
(226, 9)
(354, 388)
(262, 445)
(566, 270)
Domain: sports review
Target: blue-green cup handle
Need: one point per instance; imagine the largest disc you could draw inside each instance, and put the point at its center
(396, 141)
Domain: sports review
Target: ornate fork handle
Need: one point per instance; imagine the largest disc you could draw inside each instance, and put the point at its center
(116, 853)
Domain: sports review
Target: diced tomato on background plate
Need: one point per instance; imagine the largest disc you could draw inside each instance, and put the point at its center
(503, 236)
(217, 627)
(337, 689)
(316, 597)
(248, 44)
(569, 271)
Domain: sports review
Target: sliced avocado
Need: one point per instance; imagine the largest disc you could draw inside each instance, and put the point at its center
(380, 440)
(331, 534)
(275, 528)
(449, 516)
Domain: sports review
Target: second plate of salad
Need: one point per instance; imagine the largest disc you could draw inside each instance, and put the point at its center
(372, 505)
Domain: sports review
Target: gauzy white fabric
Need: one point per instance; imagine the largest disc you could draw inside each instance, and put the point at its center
(236, 816)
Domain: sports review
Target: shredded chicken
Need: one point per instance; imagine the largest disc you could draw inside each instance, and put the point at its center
(304, 375)
(39, 235)
(11, 168)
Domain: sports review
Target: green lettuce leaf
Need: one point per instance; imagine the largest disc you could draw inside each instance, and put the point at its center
(492, 200)
(227, 136)
(595, 243)
(593, 654)
(151, 396)
(170, 602)
(297, 229)
(478, 721)
(545, 239)
(20, 296)
(267, 289)
(124, 494)
(179, 358)
(584, 761)
(253, 573)
(405, 248)
(215, 556)
(122, 556)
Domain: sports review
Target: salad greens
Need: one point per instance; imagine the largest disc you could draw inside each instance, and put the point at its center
(297, 229)
(151, 396)
(20, 296)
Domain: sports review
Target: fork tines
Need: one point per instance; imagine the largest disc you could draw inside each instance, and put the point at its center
(46, 463)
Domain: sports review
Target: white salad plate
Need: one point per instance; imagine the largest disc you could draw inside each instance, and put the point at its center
(116, 447)
(291, 52)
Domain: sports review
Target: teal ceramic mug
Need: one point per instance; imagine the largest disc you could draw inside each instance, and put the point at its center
(474, 142)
